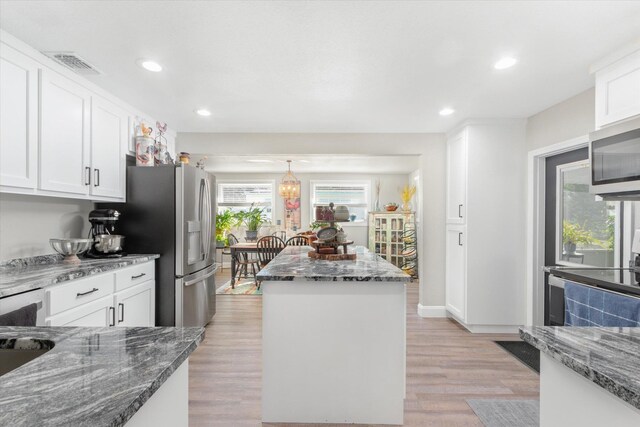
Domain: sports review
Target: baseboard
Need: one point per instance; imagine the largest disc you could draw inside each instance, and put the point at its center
(486, 329)
(432, 311)
(492, 329)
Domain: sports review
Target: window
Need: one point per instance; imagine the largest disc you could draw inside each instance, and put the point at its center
(238, 196)
(353, 194)
(587, 225)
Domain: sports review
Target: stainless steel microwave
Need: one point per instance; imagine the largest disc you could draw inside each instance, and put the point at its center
(615, 161)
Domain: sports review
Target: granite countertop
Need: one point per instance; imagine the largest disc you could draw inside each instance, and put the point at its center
(293, 263)
(26, 274)
(609, 357)
(92, 376)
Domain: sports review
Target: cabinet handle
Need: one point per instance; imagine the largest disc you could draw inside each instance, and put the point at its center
(96, 177)
(138, 276)
(459, 211)
(112, 313)
(80, 294)
(121, 312)
(87, 175)
(459, 239)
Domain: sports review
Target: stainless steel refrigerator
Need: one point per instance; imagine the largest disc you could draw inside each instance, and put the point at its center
(170, 210)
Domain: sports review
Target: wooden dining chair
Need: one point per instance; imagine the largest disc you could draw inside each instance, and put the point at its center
(243, 262)
(268, 248)
(298, 241)
(281, 234)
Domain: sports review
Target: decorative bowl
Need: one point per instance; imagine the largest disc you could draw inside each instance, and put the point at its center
(390, 207)
(70, 248)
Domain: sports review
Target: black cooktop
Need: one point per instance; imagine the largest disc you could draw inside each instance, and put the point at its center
(625, 280)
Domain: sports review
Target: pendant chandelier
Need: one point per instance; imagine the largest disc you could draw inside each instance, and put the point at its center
(289, 187)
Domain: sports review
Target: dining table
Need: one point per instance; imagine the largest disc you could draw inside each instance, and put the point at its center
(240, 248)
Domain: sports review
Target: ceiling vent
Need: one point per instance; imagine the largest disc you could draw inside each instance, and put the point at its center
(73, 62)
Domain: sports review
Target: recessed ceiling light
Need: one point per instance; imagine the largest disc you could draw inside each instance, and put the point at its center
(505, 62)
(203, 112)
(149, 65)
(447, 111)
(302, 161)
(260, 161)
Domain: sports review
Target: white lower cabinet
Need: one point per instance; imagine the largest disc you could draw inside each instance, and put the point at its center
(456, 271)
(108, 299)
(98, 313)
(136, 306)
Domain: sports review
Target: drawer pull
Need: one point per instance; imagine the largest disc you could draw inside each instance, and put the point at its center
(138, 276)
(80, 294)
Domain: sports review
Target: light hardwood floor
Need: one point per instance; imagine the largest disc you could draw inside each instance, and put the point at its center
(445, 365)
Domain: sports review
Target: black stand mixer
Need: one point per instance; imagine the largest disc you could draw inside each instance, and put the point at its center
(106, 244)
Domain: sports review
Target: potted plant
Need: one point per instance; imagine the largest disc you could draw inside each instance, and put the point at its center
(252, 219)
(572, 234)
(224, 223)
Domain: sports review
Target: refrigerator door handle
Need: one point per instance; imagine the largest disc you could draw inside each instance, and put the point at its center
(211, 271)
(201, 210)
(208, 214)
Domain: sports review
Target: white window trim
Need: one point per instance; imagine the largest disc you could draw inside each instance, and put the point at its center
(559, 246)
(250, 181)
(364, 182)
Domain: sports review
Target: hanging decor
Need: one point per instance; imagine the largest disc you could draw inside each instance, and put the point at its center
(289, 185)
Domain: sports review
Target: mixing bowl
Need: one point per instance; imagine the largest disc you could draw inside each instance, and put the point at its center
(70, 248)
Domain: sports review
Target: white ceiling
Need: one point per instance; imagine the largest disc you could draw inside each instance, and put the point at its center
(310, 164)
(346, 66)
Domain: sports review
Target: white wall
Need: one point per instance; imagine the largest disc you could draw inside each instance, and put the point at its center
(389, 192)
(568, 119)
(28, 222)
(431, 149)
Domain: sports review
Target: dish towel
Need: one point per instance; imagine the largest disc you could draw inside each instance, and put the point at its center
(587, 306)
(25, 316)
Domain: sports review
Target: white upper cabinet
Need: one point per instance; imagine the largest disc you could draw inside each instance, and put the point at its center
(108, 144)
(64, 135)
(618, 90)
(457, 178)
(18, 119)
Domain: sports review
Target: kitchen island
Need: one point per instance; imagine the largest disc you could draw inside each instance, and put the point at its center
(589, 376)
(333, 339)
(97, 376)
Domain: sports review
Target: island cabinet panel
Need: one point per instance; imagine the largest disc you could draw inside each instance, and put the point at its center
(18, 119)
(348, 367)
(98, 313)
(64, 135)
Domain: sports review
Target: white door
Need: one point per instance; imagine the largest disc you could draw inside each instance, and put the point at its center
(136, 306)
(456, 178)
(98, 313)
(456, 271)
(18, 119)
(64, 135)
(108, 144)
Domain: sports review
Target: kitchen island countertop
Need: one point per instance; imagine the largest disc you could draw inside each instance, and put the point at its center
(293, 263)
(25, 274)
(608, 357)
(92, 376)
